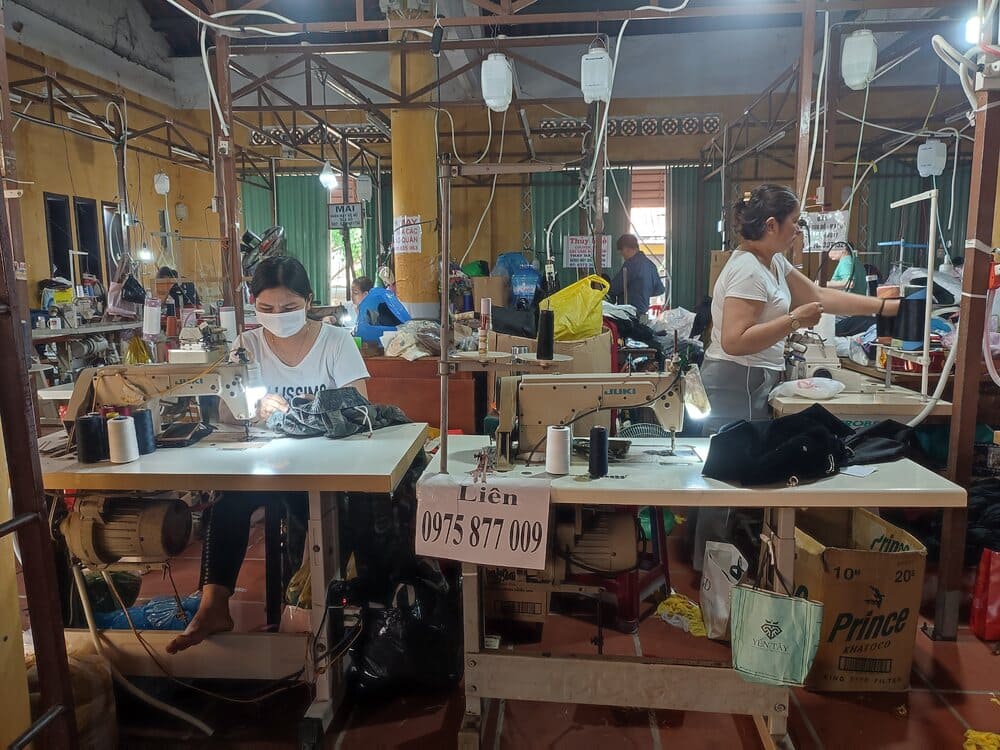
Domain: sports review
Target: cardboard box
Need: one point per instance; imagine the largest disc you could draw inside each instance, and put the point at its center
(869, 575)
(718, 262)
(496, 288)
(589, 355)
(508, 595)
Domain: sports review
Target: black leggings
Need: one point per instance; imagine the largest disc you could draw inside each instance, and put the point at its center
(227, 528)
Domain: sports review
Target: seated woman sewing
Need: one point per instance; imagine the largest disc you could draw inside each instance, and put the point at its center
(298, 357)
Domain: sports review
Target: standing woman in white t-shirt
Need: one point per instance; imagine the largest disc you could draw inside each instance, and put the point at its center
(758, 301)
(299, 357)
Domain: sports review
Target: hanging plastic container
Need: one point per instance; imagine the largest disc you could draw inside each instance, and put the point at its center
(523, 284)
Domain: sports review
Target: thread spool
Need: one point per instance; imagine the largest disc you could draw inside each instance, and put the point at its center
(546, 335)
(558, 439)
(171, 327)
(227, 319)
(144, 434)
(91, 439)
(598, 452)
(151, 318)
(485, 315)
(909, 324)
(123, 446)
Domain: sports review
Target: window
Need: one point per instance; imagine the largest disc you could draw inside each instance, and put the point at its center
(339, 291)
(60, 234)
(88, 238)
(114, 237)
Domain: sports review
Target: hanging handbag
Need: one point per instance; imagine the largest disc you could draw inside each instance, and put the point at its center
(775, 636)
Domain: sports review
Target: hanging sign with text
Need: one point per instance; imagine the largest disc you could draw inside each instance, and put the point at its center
(502, 521)
(578, 251)
(406, 234)
(346, 215)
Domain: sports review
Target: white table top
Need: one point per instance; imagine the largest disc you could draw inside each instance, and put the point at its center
(89, 329)
(893, 402)
(62, 392)
(356, 464)
(645, 479)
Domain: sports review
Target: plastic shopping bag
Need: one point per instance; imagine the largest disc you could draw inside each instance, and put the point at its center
(578, 309)
(775, 636)
(723, 570)
(984, 618)
(818, 389)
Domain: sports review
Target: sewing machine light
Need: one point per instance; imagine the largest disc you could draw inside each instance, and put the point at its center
(696, 404)
(256, 389)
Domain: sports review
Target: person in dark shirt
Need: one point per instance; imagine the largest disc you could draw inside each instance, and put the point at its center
(638, 279)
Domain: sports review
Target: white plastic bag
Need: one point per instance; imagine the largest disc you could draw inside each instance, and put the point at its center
(676, 319)
(724, 567)
(818, 389)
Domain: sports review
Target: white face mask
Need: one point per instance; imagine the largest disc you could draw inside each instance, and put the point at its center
(283, 324)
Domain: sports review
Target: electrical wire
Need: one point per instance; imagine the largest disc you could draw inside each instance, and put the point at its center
(819, 98)
(489, 138)
(493, 190)
(861, 134)
(602, 131)
(88, 614)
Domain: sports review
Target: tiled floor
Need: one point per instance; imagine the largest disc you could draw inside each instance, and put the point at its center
(950, 692)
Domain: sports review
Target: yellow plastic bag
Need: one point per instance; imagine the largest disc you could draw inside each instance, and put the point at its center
(578, 308)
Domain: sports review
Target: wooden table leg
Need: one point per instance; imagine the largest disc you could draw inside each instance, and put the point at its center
(470, 733)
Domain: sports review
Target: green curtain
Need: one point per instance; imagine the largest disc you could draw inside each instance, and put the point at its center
(687, 258)
(302, 211)
(257, 206)
(552, 192)
(898, 179)
(371, 227)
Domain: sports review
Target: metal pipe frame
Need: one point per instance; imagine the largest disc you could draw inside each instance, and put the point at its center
(505, 14)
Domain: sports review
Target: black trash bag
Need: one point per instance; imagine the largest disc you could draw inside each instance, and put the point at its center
(412, 646)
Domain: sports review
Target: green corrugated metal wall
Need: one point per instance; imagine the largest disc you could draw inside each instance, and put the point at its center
(256, 208)
(899, 179)
(302, 211)
(685, 255)
(552, 192)
(371, 234)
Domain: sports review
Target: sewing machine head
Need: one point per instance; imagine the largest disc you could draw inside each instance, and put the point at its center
(238, 384)
(529, 404)
(200, 344)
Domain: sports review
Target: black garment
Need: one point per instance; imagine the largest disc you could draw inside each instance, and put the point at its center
(227, 527)
(336, 413)
(637, 281)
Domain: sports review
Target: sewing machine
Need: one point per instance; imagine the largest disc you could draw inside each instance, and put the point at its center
(238, 384)
(528, 404)
(200, 344)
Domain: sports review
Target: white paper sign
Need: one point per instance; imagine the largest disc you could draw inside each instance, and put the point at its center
(825, 228)
(346, 215)
(406, 234)
(502, 522)
(578, 251)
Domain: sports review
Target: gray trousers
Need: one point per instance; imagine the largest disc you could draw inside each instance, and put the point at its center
(735, 392)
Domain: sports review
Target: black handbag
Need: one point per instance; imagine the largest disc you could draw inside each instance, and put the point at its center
(788, 450)
(133, 291)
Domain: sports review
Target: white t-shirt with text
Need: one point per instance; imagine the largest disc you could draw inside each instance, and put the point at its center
(745, 277)
(333, 362)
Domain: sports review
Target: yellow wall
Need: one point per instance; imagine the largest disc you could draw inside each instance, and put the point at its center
(63, 163)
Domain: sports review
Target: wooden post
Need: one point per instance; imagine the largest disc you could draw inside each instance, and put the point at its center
(982, 203)
(226, 190)
(805, 104)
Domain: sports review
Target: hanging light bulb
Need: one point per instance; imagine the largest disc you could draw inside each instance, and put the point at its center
(972, 27)
(145, 255)
(328, 178)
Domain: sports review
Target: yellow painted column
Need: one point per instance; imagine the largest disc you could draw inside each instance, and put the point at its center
(414, 187)
(14, 686)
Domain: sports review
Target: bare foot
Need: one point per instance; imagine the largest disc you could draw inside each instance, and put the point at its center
(208, 621)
